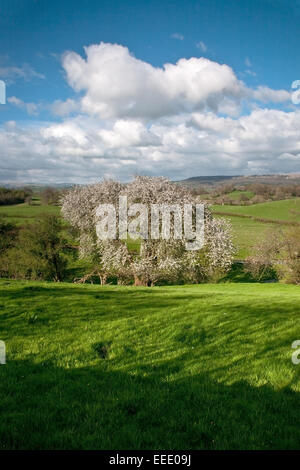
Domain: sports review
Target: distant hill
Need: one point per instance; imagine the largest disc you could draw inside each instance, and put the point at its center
(287, 179)
(195, 180)
(292, 178)
(36, 186)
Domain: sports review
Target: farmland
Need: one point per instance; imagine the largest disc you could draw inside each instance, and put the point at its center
(246, 230)
(286, 210)
(247, 223)
(21, 214)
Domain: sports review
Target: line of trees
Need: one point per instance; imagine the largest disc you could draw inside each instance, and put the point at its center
(14, 196)
(276, 254)
(50, 196)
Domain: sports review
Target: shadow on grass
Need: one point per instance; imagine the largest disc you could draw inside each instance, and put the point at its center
(42, 305)
(46, 407)
(99, 292)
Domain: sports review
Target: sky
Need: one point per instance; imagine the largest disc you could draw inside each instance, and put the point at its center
(113, 88)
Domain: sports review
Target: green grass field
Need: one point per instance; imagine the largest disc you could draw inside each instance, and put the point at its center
(189, 367)
(21, 214)
(247, 231)
(236, 194)
(288, 210)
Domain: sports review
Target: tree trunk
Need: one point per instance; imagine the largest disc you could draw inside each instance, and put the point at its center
(103, 278)
(140, 282)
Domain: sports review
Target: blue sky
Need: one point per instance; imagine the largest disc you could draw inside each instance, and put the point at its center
(257, 39)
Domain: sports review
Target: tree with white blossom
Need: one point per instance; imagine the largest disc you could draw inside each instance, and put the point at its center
(158, 259)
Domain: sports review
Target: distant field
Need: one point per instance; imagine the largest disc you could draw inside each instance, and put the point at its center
(21, 214)
(247, 231)
(182, 367)
(288, 209)
(236, 194)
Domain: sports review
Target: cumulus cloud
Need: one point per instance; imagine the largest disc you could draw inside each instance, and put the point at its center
(116, 84)
(64, 108)
(265, 95)
(129, 117)
(84, 149)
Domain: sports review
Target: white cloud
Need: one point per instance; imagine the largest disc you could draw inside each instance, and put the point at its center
(128, 134)
(64, 108)
(25, 72)
(85, 149)
(265, 95)
(290, 156)
(116, 84)
(177, 36)
(201, 45)
(31, 108)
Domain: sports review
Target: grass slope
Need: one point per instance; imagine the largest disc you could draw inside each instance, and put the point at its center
(189, 367)
(21, 214)
(247, 231)
(288, 209)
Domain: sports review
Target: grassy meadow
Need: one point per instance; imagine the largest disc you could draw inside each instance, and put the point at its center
(247, 230)
(285, 210)
(21, 214)
(171, 367)
(179, 367)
